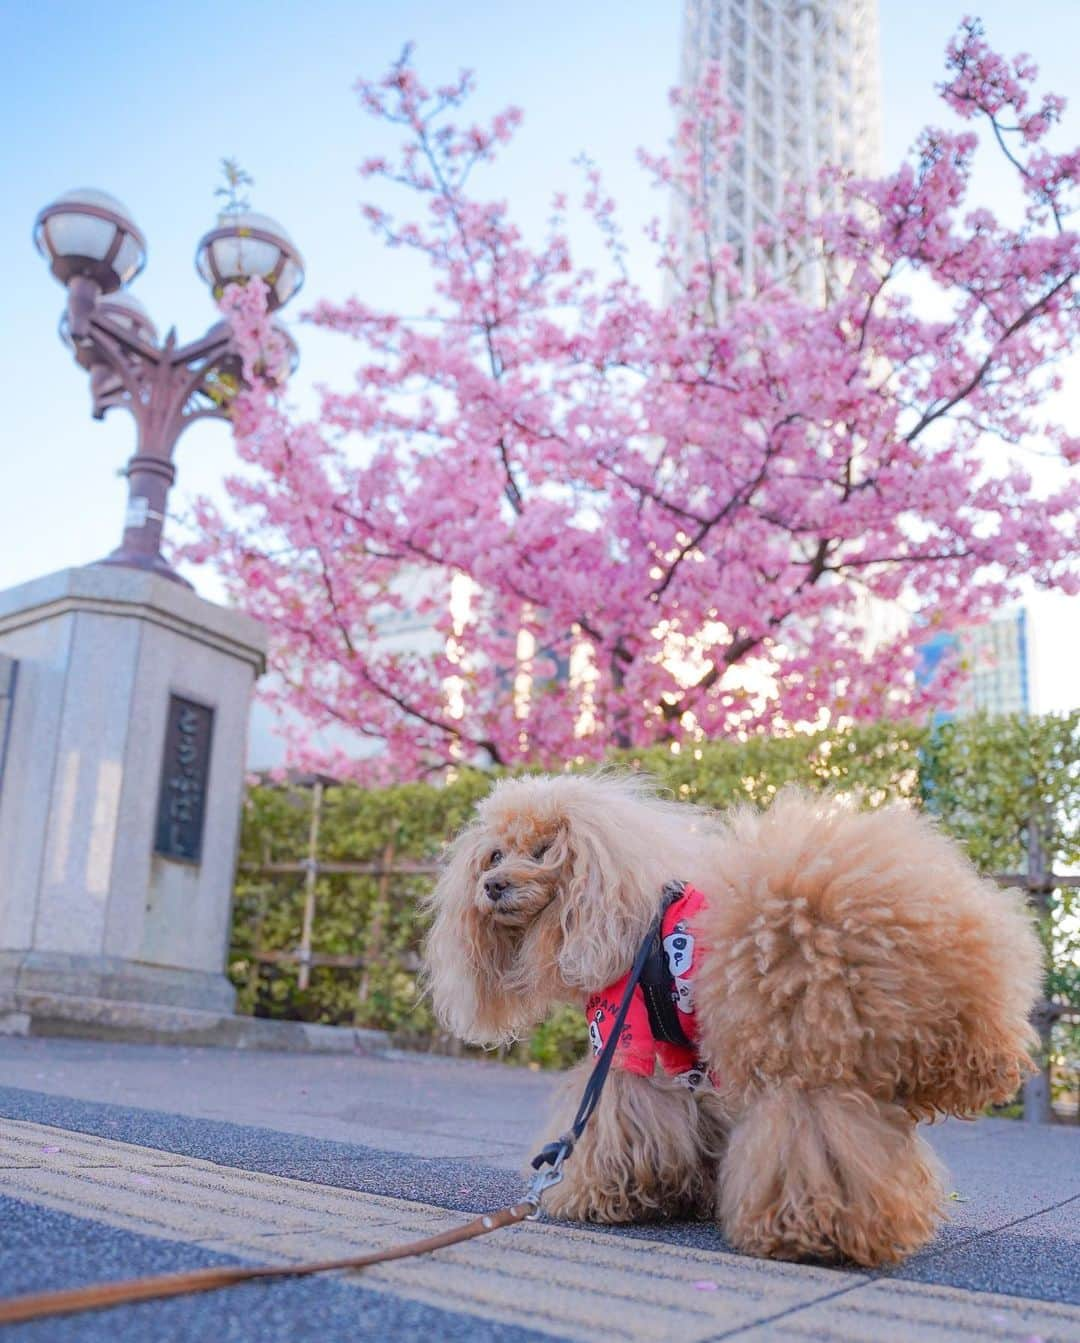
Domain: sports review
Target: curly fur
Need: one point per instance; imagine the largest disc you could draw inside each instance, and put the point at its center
(827, 1174)
(858, 976)
(650, 1151)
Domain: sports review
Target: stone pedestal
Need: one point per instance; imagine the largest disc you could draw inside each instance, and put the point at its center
(124, 703)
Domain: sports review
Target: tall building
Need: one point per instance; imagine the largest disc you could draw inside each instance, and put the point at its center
(994, 659)
(804, 77)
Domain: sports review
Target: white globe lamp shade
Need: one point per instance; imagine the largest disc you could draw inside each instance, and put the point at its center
(90, 233)
(247, 244)
(124, 311)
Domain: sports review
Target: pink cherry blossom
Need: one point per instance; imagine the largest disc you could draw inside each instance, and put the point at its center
(660, 520)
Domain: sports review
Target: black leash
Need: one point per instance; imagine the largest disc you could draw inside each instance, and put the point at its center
(553, 1154)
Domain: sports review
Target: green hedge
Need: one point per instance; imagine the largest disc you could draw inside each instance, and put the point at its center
(985, 778)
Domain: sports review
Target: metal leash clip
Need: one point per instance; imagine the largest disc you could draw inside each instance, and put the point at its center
(548, 1164)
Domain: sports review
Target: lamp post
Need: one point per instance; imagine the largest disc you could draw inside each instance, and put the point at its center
(129, 707)
(95, 250)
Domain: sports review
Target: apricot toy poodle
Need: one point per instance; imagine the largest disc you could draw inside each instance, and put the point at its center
(837, 976)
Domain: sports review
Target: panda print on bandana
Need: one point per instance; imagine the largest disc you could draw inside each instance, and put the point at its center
(679, 948)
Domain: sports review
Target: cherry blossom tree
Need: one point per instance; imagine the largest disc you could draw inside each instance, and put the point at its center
(632, 520)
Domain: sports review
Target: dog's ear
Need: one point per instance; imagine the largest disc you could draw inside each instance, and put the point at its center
(601, 910)
(462, 959)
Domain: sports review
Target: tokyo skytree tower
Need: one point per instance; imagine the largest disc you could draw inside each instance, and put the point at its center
(804, 77)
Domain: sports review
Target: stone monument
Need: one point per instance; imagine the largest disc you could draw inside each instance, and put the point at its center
(120, 794)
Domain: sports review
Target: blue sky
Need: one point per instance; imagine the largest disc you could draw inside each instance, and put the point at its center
(143, 99)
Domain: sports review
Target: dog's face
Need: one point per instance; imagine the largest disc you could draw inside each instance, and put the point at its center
(542, 900)
(500, 908)
(521, 873)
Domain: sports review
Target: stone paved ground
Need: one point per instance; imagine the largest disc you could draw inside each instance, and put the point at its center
(118, 1160)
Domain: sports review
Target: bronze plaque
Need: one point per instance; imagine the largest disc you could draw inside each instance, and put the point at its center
(184, 773)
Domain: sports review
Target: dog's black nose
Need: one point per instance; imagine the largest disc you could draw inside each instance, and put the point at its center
(496, 888)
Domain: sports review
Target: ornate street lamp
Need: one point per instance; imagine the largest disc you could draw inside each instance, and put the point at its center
(94, 249)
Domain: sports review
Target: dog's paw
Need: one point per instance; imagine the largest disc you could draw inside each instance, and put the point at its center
(578, 1200)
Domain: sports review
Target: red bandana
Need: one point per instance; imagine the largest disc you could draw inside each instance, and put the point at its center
(637, 1050)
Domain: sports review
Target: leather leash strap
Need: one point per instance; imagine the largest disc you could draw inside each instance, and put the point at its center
(43, 1304)
(97, 1297)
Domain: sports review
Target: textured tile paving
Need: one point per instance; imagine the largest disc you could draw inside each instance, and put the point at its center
(567, 1282)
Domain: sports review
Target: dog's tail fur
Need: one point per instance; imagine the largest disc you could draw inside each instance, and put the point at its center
(863, 951)
(861, 976)
(823, 1174)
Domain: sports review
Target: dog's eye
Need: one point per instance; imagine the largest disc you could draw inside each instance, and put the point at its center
(539, 852)
(496, 858)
